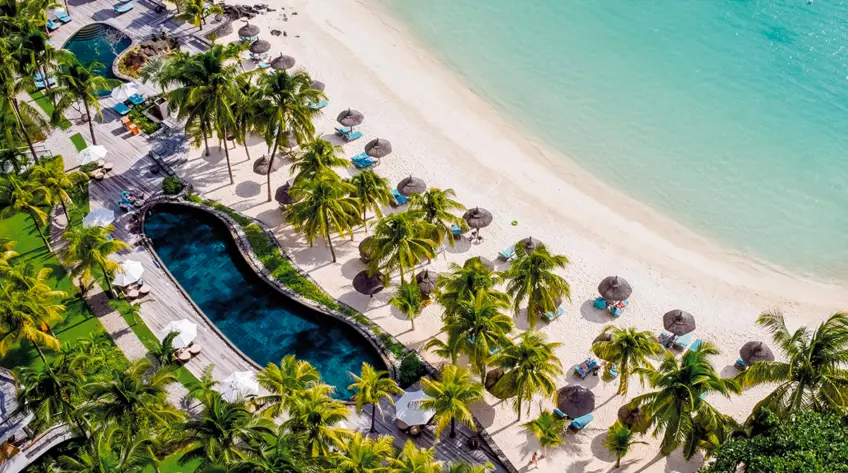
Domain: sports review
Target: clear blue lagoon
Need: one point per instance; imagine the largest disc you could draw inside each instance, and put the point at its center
(265, 325)
(98, 42)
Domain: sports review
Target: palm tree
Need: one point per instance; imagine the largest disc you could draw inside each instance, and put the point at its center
(163, 353)
(409, 301)
(462, 467)
(196, 11)
(462, 283)
(12, 85)
(531, 368)
(547, 428)
(152, 70)
(435, 206)
(317, 157)
(249, 114)
(450, 397)
(323, 205)
(679, 403)
(627, 349)
(531, 277)
(76, 83)
(415, 460)
(619, 441)
(286, 382)
(7, 253)
(35, 55)
(89, 250)
(58, 184)
(204, 389)
(19, 195)
(286, 103)
(111, 449)
(315, 415)
(22, 316)
(221, 430)
(12, 160)
(286, 453)
(372, 387)
(51, 394)
(361, 454)
(373, 192)
(815, 375)
(401, 241)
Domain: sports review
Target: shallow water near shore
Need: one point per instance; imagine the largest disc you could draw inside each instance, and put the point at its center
(728, 116)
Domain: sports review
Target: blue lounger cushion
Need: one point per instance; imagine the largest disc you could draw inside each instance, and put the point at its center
(600, 303)
(455, 230)
(559, 413)
(123, 7)
(585, 368)
(695, 345)
(399, 198)
(62, 16)
(319, 105)
(264, 65)
(683, 341)
(613, 372)
(51, 25)
(551, 316)
(352, 136)
(740, 365)
(507, 254)
(122, 109)
(581, 422)
(40, 83)
(136, 99)
(343, 130)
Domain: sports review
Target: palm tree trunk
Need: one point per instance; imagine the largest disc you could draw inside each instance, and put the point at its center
(270, 167)
(23, 128)
(617, 461)
(205, 138)
(43, 70)
(227, 154)
(330, 242)
(41, 354)
(373, 415)
(90, 124)
(412, 321)
(520, 397)
(46, 241)
(453, 428)
(106, 277)
(65, 210)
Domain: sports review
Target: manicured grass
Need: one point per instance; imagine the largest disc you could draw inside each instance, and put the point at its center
(45, 104)
(79, 142)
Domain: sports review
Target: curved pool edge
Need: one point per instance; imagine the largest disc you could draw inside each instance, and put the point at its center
(246, 251)
(114, 65)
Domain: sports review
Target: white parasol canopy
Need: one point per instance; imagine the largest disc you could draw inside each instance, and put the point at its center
(125, 91)
(98, 218)
(239, 385)
(407, 410)
(130, 272)
(92, 154)
(187, 331)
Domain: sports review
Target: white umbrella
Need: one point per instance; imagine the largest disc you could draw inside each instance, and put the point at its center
(187, 332)
(407, 410)
(98, 218)
(125, 91)
(239, 385)
(129, 272)
(92, 154)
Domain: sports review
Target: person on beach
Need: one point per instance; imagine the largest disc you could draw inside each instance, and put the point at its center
(534, 460)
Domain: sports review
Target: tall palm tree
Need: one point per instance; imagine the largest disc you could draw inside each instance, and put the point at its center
(51, 394)
(89, 250)
(415, 460)
(222, 430)
(323, 205)
(532, 277)
(462, 283)
(373, 192)
(76, 83)
(196, 11)
(12, 85)
(361, 454)
(815, 375)
(20, 195)
(462, 467)
(435, 206)
(249, 114)
(22, 316)
(35, 55)
(317, 157)
(373, 387)
(111, 449)
(531, 368)
(286, 102)
(204, 390)
(409, 301)
(58, 184)
(547, 428)
(7, 253)
(286, 453)
(285, 382)
(316, 416)
(627, 349)
(679, 403)
(619, 441)
(450, 397)
(164, 353)
(401, 241)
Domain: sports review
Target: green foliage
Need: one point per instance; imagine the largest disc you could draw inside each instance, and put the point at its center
(411, 370)
(172, 186)
(144, 123)
(547, 428)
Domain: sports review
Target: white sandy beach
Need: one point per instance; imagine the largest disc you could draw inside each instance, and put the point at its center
(443, 133)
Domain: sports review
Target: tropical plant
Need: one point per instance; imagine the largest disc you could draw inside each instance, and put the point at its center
(361, 454)
(531, 369)
(57, 184)
(627, 349)
(163, 353)
(75, 84)
(249, 114)
(35, 55)
(152, 70)
(204, 389)
(409, 301)
(373, 387)
(24, 317)
(222, 429)
(50, 394)
(401, 241)
(815, 375)
(7, 253)
(435, 206)
(20, 195)
(547, 428)
(462, 283)
(415, 460)
(678, 405)
(286, 381)
(450, 397)
(89, 250)
(619, 441)
(462, 467)
(317, 157)
(531, 277)
(196, 11)
(323, 205)
(373, 192)
(285, 453)
(13, 85)
(12, 160)
(111, 449)
(315, 415)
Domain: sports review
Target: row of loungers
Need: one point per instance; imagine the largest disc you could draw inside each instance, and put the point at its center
(122, 109)
(577, 424)
(61, 16)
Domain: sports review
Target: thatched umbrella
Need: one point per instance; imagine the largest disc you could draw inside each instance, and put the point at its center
(630, 415)
(754, 351)
(426, 281)
(492, 378)
(282, 62)
(261, 165)
(368, 285)
(679, 322)
(282, 195)
(364, 254)
(604, 337)
(248, 31)
(350, 118)
(411, 186)
(529, 244)
(317, 85)
(575, 401)
(614, 288)
(378, 148)
(478, 218)
(259, 47)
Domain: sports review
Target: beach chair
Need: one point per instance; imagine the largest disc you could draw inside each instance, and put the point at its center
(39, 84)
(507, 254)
(343, 130)
(319, 105)
(559, 413)
(456, 231)
(613, 371)
(682, 341)
(581, 422)
(600, 303)
(124, 1)
(740, 365)
(352, 136)
(695, 345)
(587, 367)
(121, 8)
(616, 309)
(62, 16)
(264, 65)
(665, 339)
(121, 109)
(51, 25)
(363, 161)
(399, 199)
(136, 99)
(554, 314)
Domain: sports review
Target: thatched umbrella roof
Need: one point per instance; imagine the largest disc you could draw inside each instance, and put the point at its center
(492, 377)
(679, 322)
(248, 31)
(614, 288)
(575, 401)
(260, 46)
(350, 118)
(363, 247)
(529, 244)
(755, 351)
(260, 166)
(318, 85)
(368, 285)
(478, 217)
(282, 62)
(282, 195)
(378, 148)
(426, 281)
(411, 186)
(630, 415)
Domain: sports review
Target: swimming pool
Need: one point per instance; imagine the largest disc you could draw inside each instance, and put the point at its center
(265, 325)
(98, 42)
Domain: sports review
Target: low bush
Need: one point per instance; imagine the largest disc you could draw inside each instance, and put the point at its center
(172, 186)
(144, 123)
(411, 370)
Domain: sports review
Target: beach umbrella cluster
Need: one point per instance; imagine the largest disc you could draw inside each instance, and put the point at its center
(264, 166)
(260, 47)
(614, 288)
(318, 85)
(364, 254)
(98, 218)
(478, 218)
(186, 332)
(426, 281)
(239, 385)
(529, 244)
(248, 31)
(129, 272)
(350, 118)
(408, 410)
(679, 322)
(92, 154)
(282, 195)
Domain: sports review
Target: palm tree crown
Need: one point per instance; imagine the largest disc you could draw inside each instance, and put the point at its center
(373, 387)
(531, 276)
(77, 83)
(532, 368)
(373, 192)
(89, 250)
(401, 241)
(435, 206)
(627, 349)
(450, 397)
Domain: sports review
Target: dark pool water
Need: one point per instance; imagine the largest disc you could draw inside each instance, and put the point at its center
(264, 324)
(98, 42)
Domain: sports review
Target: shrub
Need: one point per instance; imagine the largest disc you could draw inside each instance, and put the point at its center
(172, 186)
(144, 123)
(411, 370)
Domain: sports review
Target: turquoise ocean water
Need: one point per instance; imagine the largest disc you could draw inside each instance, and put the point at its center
(730, 117)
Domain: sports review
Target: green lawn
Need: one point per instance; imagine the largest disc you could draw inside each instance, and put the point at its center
(45, 104)
(79, 142)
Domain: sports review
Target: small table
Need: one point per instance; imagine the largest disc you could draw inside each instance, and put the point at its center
(194, 349)
(131, 293)
(98, 175)
(183, 355)
(144, 290)
(108, 167)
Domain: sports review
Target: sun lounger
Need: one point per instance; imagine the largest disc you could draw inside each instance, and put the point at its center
(695, 345)
(121, 109)
(555, 314)
(507, 254)
(581, 422)
(456, 231)
(39, 84)
(363, 161)
(613, 372)
(559, 413)
(264, 65)
(617, 308)
(682, 341)
(343, 130)
(740, 365)
(600, 303)
(352, 136)
(51, 25)
(665, 339)
(124, 1)
(399, 199)
(319, 105)
(62, 16)
(587, 367)
(123, 7)
(136, 99)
